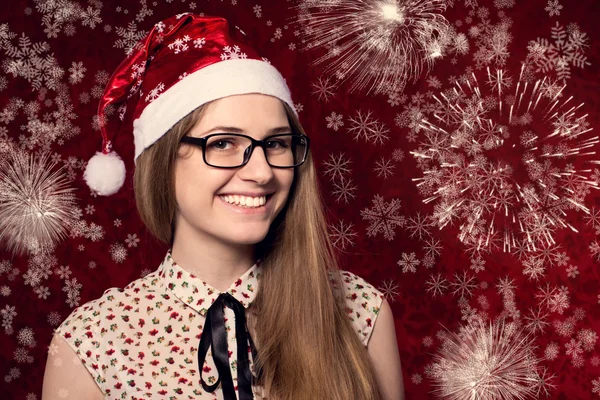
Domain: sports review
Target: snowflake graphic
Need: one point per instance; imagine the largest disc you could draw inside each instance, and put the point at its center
(154, 93)
(463, 285)
(567, 50)
(323, 89)
(198, 43)
(129, 38)
(437, 284)
(344, 190)
(132, 240)
(31, 61)
(383, 217)
(232, 53)
(390, 290)
(384, 168)
(337, 167)
(90, 17)
(536, 321)
(77, 71)
(408, 262)
(180, 44)
(334, 121)
(362, 125)
(553, 8)
(419, 226)
(342, 235)
(118, 252)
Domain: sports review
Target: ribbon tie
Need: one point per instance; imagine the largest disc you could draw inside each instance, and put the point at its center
(214, 334)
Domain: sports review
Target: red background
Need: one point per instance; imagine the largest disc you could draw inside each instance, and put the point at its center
(419, 316)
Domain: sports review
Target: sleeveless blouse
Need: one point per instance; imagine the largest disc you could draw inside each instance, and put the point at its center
(142, 341)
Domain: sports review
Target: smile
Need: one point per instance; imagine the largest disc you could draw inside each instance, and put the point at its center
(245, 201)
(234, 202)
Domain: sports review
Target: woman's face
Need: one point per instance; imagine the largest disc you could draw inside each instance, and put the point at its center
(198, 186)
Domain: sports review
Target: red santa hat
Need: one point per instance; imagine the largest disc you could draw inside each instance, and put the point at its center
(185, 61)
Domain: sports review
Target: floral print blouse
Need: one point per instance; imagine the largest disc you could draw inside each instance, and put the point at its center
(141, 341)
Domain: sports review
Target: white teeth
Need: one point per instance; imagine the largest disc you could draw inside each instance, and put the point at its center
(245, 201)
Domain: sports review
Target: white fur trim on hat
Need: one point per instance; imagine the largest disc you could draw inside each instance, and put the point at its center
(215, 81)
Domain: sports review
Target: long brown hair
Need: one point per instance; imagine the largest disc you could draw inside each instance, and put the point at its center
(306, 345)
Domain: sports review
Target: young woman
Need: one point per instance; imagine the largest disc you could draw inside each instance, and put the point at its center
(249, 301)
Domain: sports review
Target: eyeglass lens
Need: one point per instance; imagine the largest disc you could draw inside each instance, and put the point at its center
(230, 151)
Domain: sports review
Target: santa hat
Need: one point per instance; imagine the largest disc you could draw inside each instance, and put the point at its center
(185, 61)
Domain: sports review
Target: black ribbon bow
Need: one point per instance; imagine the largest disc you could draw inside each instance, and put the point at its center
(214, 334)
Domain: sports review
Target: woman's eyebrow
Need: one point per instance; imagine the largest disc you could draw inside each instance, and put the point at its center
(233, 129)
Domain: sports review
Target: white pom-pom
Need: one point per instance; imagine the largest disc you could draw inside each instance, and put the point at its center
(105, 173)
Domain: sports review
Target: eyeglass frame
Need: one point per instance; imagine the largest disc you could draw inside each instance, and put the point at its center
(201, 142)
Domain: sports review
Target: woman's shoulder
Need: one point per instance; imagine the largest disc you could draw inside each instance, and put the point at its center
(95, 316)
(363, 302)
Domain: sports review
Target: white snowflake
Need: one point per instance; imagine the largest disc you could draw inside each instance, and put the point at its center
(384, 168)
(232, 53)
(553, 8)
(536, 321)
(198, 43)
(342, 235)
(437, 284)
(118, 252)
(398, 155)
(478, 264)
(379, 133)
(77, 72)
(130, 37)
(419, 226)
(334, 121)
(337, 166)
(26, 337)
(180, 44)
(91, 17)
(464, 285)
(432, 247)
(383, 217)
(572, 271)
(154, 93)
(344, 190)
(132, 240)
(362, 125)
(567, 50)
(63, 272)
(408, 262)
(323, 89)
(29, 61)
(390, 290)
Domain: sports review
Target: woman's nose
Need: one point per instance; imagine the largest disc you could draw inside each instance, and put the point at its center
(257, 167)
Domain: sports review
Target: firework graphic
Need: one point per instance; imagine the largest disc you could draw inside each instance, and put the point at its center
(378, 44)
(507, 162)
(36, 205)
(488, 362)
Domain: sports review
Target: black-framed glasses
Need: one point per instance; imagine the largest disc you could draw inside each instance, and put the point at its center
(233, 150)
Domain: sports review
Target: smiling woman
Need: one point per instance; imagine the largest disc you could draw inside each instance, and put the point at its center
(250, 270)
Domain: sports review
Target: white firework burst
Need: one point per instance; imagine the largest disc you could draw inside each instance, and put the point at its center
(37, 206)
(379, 44)
(508, 164)
(488, 362)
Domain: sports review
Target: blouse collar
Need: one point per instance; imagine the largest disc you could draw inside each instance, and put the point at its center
(200, 295)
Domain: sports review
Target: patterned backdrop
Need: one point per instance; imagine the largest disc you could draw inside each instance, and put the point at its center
(456, 144)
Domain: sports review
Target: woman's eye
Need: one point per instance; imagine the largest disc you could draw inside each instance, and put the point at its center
(275, 143)
(219, 144)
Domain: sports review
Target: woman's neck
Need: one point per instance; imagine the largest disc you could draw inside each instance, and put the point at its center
(216, 262)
